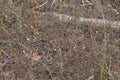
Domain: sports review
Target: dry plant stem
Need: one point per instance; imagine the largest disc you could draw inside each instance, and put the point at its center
(53, 2)
(6, 54)
(103, 61)
(86, 2)
(84, 21)
(99, 7)
(36, 7)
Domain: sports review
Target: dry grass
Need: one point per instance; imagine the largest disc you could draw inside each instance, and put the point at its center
(36, 47)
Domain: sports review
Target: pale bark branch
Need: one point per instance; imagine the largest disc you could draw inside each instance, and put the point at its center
(85, 21)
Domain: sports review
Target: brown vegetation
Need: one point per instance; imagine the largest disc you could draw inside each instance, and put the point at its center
(36, 43)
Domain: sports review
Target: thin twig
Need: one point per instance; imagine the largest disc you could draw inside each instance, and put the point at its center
(36, 7)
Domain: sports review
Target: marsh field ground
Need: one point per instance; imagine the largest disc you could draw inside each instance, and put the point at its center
(38, 46)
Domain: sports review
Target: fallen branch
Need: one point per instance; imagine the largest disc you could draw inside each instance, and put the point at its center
(85, 21)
